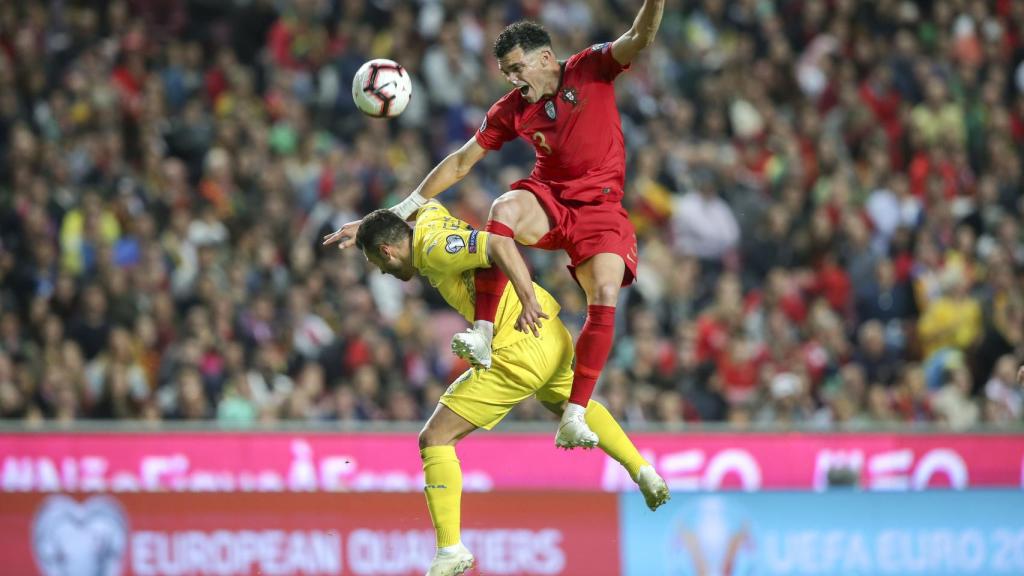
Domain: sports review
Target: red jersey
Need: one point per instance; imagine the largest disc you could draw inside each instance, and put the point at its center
(576, 133)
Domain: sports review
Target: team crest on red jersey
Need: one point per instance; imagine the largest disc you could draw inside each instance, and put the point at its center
(549, 107)
(569, 95)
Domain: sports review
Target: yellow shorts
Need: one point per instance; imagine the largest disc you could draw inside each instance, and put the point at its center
(532, 366)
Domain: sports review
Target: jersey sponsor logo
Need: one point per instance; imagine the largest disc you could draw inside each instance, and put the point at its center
(569, 95)
(454, 243)
(549, 107)
(472, 241)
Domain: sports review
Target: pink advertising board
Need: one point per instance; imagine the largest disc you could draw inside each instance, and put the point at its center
(333, 462)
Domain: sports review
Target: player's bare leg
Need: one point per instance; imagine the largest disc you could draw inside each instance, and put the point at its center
(443, 489)
(600, 277)
(615, 443)
(516, 216)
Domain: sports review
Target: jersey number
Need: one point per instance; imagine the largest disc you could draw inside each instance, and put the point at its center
(542, 142)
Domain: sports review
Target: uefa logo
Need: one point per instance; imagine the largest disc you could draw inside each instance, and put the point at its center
(80, 539)
(711, 536)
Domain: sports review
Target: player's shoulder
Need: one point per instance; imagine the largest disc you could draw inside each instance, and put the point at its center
(428, 218)
(431, 210)
(595, 50)
(429, 223)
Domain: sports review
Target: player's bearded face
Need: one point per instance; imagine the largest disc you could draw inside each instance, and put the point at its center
(389, 263)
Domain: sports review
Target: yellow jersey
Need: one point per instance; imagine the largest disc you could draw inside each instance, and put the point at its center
(448, 251)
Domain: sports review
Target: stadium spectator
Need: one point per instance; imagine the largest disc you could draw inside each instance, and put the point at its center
(832, 198)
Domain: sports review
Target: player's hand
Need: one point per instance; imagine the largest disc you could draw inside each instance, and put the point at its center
(344, 236)
(529, 319)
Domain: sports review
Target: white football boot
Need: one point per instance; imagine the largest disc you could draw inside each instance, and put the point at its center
(452, 562)
(653, 487)
(473, 347)
(573, 431)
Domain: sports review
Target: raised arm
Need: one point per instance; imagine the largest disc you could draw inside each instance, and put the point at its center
(445, 175)
(641, 34)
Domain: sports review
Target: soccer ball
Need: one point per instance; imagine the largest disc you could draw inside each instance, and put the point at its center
(381, 88)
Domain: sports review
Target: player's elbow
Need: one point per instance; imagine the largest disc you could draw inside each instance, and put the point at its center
(463, 159)
(456, 166)
(462, 167)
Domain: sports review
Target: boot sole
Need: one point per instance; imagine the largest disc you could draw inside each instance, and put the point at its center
(463, 351)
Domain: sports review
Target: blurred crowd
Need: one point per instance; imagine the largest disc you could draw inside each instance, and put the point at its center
(827, 195)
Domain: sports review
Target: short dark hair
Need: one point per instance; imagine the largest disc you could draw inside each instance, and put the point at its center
(525, 34)
(381, 227)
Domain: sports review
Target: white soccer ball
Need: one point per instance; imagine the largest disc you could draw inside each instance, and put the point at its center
(381, 88)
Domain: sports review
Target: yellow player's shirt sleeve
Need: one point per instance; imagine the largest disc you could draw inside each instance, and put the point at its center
(448, 251)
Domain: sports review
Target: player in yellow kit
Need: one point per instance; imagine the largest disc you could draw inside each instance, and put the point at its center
(447, 251)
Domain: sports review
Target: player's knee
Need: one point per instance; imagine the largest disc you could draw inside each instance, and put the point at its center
(430, 436)
(506, 210)
(606, 294)
(426, 438)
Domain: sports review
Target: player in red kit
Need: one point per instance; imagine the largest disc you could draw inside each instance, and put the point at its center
(571, 201)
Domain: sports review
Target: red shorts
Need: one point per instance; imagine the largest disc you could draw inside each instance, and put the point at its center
(584, 230)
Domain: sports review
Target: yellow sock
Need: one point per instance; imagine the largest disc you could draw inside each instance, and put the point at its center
(443, 479)
(613, 441)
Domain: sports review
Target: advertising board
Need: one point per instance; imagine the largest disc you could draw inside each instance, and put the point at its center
(832, 533)
(291, 462)
(285, 534)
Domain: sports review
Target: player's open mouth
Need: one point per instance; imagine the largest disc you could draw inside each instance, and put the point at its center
(525, 90)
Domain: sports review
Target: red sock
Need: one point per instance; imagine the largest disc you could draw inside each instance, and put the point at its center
(490, 282)
(592, 348)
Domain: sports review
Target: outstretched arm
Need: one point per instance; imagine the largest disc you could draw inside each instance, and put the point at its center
(442, 177)
(641, 34)
(445, 175)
